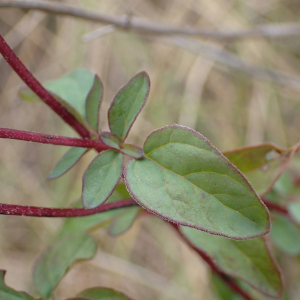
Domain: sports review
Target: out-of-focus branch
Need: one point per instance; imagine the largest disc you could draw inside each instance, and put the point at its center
(125, 22)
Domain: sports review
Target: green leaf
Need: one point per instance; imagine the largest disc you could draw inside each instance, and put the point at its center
(75, 225)
(185, 179)
(56, 260)
(67, 161)
(127, 104)
(294, 210)
(93, 102)
(7, 293)
(73, 88)
(132, 150)
(123, 220)
(101, 178)
(261, 164)
(249, 260)
(100, 293)
(70, 90)
(285, 235)
(110, 139)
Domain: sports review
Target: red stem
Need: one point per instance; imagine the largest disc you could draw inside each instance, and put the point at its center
(275, 207)
(37, 88)
(234, 286)
(34, 211)
(7, 133)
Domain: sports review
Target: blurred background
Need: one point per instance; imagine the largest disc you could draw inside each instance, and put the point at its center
(236, 91)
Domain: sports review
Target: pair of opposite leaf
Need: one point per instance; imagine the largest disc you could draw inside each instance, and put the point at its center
(178, 176)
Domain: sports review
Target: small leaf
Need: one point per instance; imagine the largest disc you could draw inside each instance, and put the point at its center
(110, 139)
(132, 150)
(285, 235)
(123, 221)
(75, 225)
(261, 164)
(67, 161)
(93, 102)
(248, 260)
(127, 104)
(101, 293)
(294, 210)
(56, 260)
(7, 293)
(186, 180)
(101, 177)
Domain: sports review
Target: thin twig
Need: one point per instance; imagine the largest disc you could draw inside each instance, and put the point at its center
(232, 61)
(37, 88)
(7, 133)
(275, 207)
(270, 30)
(34, 211)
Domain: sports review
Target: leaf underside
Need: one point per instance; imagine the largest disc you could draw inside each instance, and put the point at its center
(55, 261)
(127, 104)
(68, 160)
(101, 177)
(186, 180)
(247, 260)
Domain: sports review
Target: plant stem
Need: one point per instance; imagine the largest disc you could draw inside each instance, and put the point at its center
(234, 286)
(37, 88)
(7, 133)
(275, 207)
(34, 211)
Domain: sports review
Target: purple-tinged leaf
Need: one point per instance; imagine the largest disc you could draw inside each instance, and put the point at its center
(261, 164)
(93, 102)
(127, 104)
(110, 139)
(101, 178)
(7, 293)
(67, 162)
(186, 180)
(56, 260)
(250, 261)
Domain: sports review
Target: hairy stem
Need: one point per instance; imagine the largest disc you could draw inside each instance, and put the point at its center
(37, 88)
(7, 133)
(34, 211)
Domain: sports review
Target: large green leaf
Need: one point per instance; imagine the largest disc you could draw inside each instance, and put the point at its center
(100, 293)
(7, 293)
(285, 235)
(101, 177)
(248, 260)
(261, 164)
(93, 102)
(186, 180)
(127, 104)
(74, 225)
(67, 161)
(56, 260)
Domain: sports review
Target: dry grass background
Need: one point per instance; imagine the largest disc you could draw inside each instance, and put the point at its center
(228, 106)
